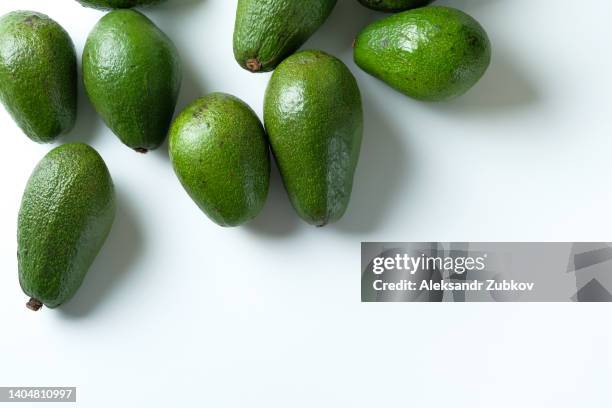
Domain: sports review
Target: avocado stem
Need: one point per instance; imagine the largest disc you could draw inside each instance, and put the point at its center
(141, 150)
(34, 304)
(253, 65)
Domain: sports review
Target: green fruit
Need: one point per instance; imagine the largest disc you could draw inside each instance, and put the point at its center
(268, 31)
(219, 151)
(132, 75)
(393, 6)
(38, 74)
(314, 118)
(431, 53)
(111, 4)
(66, 213)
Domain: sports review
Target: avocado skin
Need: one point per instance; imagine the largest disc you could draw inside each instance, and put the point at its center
(219, 151)
(38, 74)
(431, 53)
(267, 31)
(393, 6)
(67, 211)
(314, 118)
(112, 4)
(132, 75)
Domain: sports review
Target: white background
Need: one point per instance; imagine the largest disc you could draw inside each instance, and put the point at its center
(179, 312)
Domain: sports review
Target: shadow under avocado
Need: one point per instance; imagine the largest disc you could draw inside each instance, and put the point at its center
(191, 89)
(177, 4)
(336, 36)
(504, 87)
(384, 164)
(349, 17)
(278, 218)
(121, 250)
(88, 122)
(465, 5)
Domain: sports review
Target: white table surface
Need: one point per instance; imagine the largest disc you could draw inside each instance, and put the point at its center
(177, 311)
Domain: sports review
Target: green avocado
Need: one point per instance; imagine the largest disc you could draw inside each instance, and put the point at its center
(268, 31)
(38, 74)
(393, 6)
(112, 4)
(67, 211)
(219, 151)
(314, 118)
(132, 75)
(430, 53)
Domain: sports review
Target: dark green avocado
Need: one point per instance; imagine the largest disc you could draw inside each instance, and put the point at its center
(132, 75)
(219, 151)
(112, 4)
(268, 31)
(38, 74)
(393, 6)
(430, 53)
(314, 118)
(67, 211)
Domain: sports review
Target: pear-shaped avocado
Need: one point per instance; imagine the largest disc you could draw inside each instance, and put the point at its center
(393, 6)
(132, 75)
(267, 31)
(314, 118)
(66, 213)
(112, 4)
(219, 151)
(430, 53)
(38, 74)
